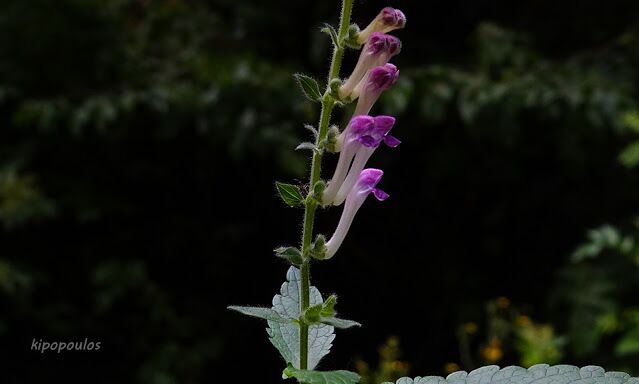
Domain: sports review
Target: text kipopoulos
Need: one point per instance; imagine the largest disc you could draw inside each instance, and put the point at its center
(59, 346)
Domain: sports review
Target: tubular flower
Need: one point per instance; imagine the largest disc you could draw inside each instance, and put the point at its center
(365, 185)
(372, 85)
(369, 141)
(359, 140)
(377, 51)
(387, 20)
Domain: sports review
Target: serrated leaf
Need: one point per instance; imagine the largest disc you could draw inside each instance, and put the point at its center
(319, 377)
(289, 193)
(339, 323)
(329, 30)
(286, 337)
(309, 87)
(262, 313)
(540, 373)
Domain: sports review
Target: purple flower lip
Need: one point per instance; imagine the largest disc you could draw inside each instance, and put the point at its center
(361, 123)
(368, 180)
(371, 131)
(393, 17)
(394, 45)
(372, 85)
(376, 43)
(382, 77)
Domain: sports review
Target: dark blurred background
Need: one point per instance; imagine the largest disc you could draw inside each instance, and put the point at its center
(140, 140)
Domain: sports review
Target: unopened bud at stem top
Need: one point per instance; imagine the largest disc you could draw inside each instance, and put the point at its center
(387, 20)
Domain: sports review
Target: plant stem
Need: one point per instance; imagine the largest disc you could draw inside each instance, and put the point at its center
(316, 168)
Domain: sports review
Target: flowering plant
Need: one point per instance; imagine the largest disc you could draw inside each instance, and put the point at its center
(301, 322)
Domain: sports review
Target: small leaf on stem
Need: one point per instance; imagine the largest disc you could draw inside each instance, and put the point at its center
(309, 87)
(339, 323)
(306, 145)
(329, 30)
(291, 254)
(290, 194)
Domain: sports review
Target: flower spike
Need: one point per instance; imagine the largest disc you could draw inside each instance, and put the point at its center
(366, 184)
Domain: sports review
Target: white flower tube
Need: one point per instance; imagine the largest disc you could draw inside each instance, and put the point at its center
(366, 184)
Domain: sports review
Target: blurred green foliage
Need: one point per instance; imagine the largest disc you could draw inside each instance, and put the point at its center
(507, 337)
(597, 292)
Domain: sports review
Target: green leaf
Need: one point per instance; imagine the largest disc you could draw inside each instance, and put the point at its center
(540, 373)
(629, 157)
(629, 344)
(290, 194)
(339, 323)
(286, 337)
(318, 377)
(309, 86)
(262, 313)
(630, 120)
(329, 30)
(291, 254)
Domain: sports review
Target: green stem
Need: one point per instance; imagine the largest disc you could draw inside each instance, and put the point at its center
(316, 168)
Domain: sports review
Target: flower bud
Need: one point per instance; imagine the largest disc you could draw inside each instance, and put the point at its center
(387, 20)
(365, 185)
(372, 85)
(377, 51)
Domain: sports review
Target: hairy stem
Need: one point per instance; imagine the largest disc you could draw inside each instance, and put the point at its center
(316, 167)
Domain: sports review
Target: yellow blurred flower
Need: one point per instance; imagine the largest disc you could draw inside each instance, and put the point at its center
(523, 321)
(451, 367)
(470, 328)
(503, 302)
(492, 353)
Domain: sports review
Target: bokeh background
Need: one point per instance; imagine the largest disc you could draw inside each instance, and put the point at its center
(140, 141)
